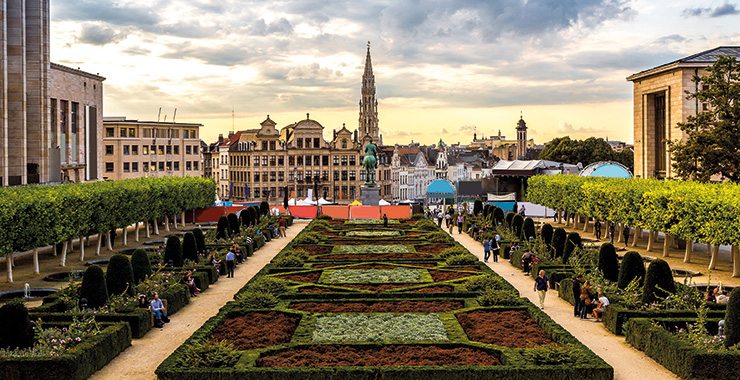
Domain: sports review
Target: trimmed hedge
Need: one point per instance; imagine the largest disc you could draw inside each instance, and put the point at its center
(609, 262)
(558, 241)
(222, 228)
(732, 319)
(546, 233)
(517, 222)
(119, 277)
(233, 224)
(16, 331)
(140, 265)
(189, 247)
(632, 267)
(94, 288)
(78, 363)
(658, 282)
(173, 251)
(681, 358)
(572, 242)
(617, 315)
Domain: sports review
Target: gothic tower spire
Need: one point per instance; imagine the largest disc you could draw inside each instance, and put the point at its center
(368, 104)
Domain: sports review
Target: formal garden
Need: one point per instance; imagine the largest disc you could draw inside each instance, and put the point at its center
(668, 318)
(354, 299)
(87, 323)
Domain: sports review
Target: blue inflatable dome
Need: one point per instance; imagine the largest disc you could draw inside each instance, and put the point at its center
(609, 169)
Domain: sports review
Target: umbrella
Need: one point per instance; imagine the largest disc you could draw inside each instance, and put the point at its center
(356, 203)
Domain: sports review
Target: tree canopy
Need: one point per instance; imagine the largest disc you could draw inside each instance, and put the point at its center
(590, 150)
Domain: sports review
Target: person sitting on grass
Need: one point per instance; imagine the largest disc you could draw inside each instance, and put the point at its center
(189, 281)
(159, 311)
(600, 306)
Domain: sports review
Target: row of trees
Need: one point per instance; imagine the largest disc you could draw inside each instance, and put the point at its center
(39, 216)
(593, 149)
(685, 209)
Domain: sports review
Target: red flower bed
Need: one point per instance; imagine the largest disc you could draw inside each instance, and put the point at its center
(439, 275)
(434, 289)
(325, 265)
(376, 287)
(376, 256)
(258, 329)
(511, 328)
(433, 247)
(315, 289)
(390, 355)
(315, 249)
(379, 306)
(303, 277)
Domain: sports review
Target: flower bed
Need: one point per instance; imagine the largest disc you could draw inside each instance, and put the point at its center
(370, 221)
(375, 276)
(257, 329)
(509, 328)
(368, 248)
(373, 233)
(403, 328)
(443, 275)
(378, 306)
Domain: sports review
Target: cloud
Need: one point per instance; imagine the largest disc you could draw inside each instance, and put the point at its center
(261, 28)
(111, 12)
(725, 9)
(95, 34)
(224, 55)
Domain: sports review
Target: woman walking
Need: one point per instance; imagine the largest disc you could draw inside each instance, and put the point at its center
(540, 286)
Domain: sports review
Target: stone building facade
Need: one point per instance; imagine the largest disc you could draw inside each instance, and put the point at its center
(76, 123)
(660, 103)
(133, 149)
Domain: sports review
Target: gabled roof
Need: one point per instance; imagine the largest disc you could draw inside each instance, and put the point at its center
(702, 59)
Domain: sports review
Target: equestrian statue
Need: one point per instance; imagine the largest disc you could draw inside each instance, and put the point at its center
(370, 162)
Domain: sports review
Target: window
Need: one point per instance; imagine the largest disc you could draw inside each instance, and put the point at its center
(352, 175)
(344, 160)
(316, 142)
(299, 143)
(109, 149)
(291, 161)
(169, 149)
(325, 175)
(132, 132)
(195, 165)
(272, 145)
(195, 149)
(352, 159)
(108, 167)
(256, 177)
(147, 133)
(109, 132)
(256, 160)
(188, 165)
(176, 149)
(307, 160)
(145, 167)
(126, 150)
(336, 160)
(281, 160)
(126, 167)
(325, 160)
(272, 176)
(336, 175)
(135, 150)
(153, 166)
(160, 150)
(135, 167)
(256, 192)
(264, 160)
(281, 176)
(299, 160)
(161, 166)
(291, 176)
(124, 132)
(316, 160)
(344, 175)
(272, 160)
(344, 143)
(169, 166)
(264, 176)
(188, 149)
(176, 165)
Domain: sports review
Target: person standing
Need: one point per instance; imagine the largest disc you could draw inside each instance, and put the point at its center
(230, 256)
(460, 221)
(282, 223)
(540, 286)
(577, 296)
(486, 250)
(585, 300)
(626, 235)
(439, 218)
(495, 247)
(451, 225)
(611, 232)
(385, 220)
(448, 219)
(597, 229)
(522, 210)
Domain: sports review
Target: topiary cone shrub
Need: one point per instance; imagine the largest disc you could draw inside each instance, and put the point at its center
(516, 225)
(173, 251)
(632, 267)
(609, 262)
(244, 218)
(264, 208)
(94, 288)
(233, 224)
(222, 228)
(732, 319)
(140, 265)
(546, 233)
(119, 277)
(200, 240)
(477, 207)
(528, 230)
(486, 210)
(16, 331)
(558, 241)
(658, 282)
(189, 247)
(573, 241)
(508, 220)
(257, 214)
(498, 216)
(253, 215)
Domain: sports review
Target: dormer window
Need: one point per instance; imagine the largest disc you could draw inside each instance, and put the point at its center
(344, 143)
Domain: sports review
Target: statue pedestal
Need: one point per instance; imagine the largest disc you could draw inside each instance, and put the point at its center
(369, 195)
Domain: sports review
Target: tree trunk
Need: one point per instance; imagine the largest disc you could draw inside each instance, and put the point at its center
(560, 216)
(167, 223)
(714, 256)
(82, 249)
(100, 242)
(125, 236)
(174, 218)
(667, 245)
(651, 240)
(735, 261)
(618, 231)
(575, 221)
(136, 232)
(638, 234)
(182, 219)
(689, 251)
(70, 246)
(36, 268)
(9, 265)
(107, 241)
(148, 230)
(156, 227)
(585, 225)
(64, 255)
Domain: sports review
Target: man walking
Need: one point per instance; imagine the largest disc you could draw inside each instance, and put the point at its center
(230, 256)
(439, 219)
(597, 229)
(577, 296)
(486, 250)
(385, 220)
(460, 220)
(626, 235)
(540, 286)
(495, 247)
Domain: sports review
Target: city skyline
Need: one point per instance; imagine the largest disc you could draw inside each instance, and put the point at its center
(444, 69)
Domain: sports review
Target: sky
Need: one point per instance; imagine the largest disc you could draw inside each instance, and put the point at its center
(443, 69)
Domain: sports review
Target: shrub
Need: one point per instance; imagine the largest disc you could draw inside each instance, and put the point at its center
(452, 251)
(558, 241)
(209, 354)
(551, 355)
(233, 224)
(141, 267)
(483, 283)
(732, 319)
(200, 240)
(464, 259)
(608, 262)
(658, 282)
(288, 261)
(256, 300)
(486, 210)
(438, 237)
(264, 208)
(271, 285)
(546, 233)
(477, 207)
(528, 230)
(173, 251)
(244, 218)
(189, 247)
(119, 277)
(572, 242)
(254, 216)
(508, 219)
(93, 287)
(492, 297)
(517, 222)
(498, 216)
(222, 228)
(324, 217)
(632, 267)
(257, 214)
(16, 331)
(307, 238)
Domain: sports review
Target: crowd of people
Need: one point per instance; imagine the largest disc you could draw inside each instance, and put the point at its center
(583, 301)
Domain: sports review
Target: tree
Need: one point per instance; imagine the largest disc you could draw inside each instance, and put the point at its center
(94, 288)
(516, 225)
(498, 216)
(173, 251)
(712, 137)
(528, 230)
(189, 247)
(477, 207)
(608, 262)
(590, 150)
(120, 277)
(233, 224)
(546, 233)
(16, 331)
(509, 218)
(558, 241)
(264, 208)
(140, 265)
(572, 242)
(244, 218)
(632, 267)
(222, 228)
(732, 319)
(658, 282)
(200, 240)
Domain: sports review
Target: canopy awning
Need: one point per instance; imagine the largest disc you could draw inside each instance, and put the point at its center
(356, 203)
(383, 202)
(440, 188)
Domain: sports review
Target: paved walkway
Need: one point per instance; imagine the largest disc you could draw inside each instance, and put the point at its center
(141, 359)
(628, 362)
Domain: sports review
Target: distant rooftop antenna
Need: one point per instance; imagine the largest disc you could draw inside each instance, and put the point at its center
(159, 114)
(174, 116)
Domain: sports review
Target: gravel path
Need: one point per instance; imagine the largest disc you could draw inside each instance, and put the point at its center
(628, 362)
(141, 359)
